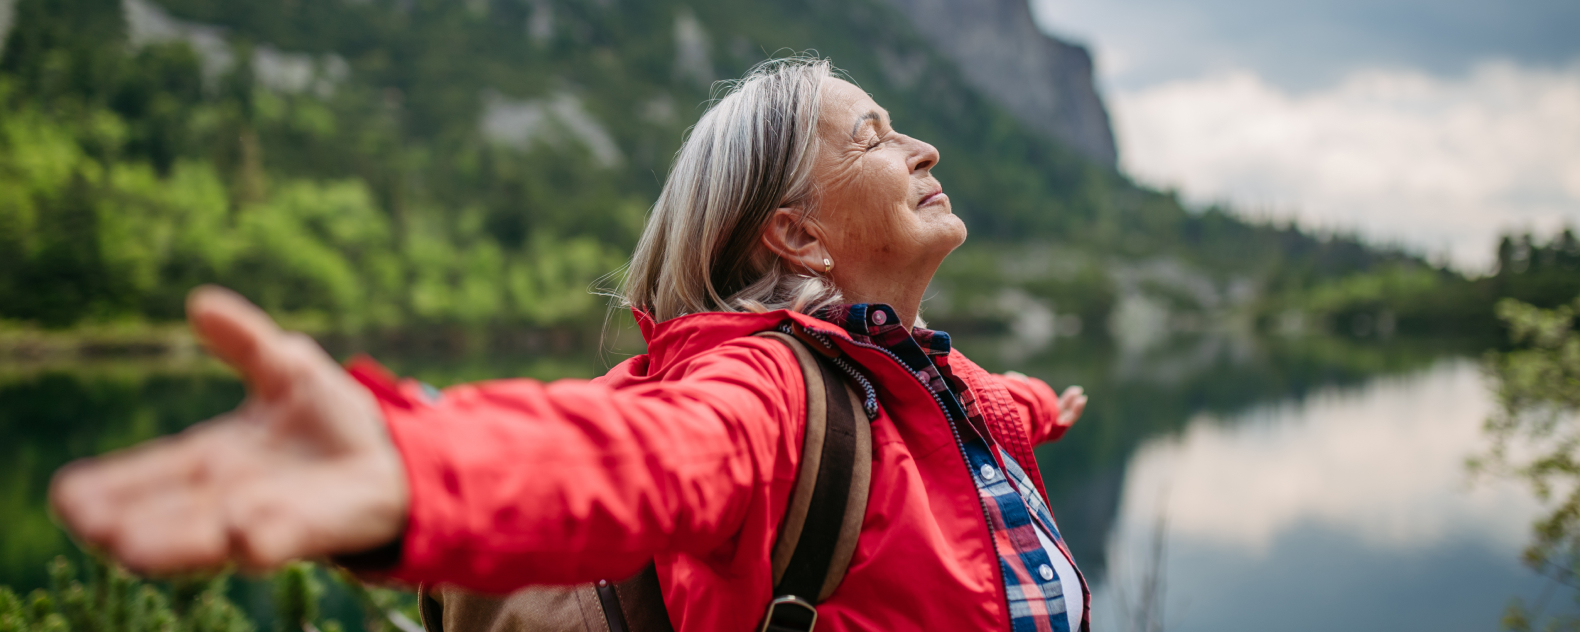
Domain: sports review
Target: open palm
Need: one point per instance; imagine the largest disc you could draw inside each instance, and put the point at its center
(302, 468)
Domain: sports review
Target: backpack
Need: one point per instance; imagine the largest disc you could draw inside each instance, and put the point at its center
(810, 557)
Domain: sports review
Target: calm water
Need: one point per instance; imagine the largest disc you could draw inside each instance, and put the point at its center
(1350, 506)
(1243, 484)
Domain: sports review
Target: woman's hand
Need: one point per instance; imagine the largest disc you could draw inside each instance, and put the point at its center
(304, 467)
(1071, 404)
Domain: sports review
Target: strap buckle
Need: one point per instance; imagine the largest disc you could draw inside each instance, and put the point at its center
(789, 613)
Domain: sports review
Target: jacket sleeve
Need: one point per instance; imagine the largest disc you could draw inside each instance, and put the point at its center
(519, 482)
(1038, 404)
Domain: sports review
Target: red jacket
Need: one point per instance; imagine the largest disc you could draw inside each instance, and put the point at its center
(687, 455)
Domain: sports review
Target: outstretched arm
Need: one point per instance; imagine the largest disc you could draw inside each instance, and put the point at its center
(1049, 414)
(517, 482)
(304, 467)
(493, 486)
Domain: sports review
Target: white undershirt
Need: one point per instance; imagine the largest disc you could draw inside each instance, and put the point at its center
(1069, 582)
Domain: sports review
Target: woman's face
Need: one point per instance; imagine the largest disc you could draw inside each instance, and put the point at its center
(883, 218)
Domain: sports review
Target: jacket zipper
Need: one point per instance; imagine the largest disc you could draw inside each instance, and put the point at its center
(954, 429)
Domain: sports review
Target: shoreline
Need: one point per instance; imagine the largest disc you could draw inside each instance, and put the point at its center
(33, 344)
(175, 342)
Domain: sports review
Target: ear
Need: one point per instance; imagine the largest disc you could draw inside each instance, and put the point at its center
(796, 239)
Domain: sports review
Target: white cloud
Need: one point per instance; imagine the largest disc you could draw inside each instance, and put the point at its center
(1384, 465)
(1438, 164)
(1302, 45)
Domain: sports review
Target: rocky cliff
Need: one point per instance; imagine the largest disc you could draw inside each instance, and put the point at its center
(1044, 82)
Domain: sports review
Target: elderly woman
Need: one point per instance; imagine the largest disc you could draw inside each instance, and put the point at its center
(792, 201)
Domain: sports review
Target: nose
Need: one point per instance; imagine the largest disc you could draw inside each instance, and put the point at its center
(924, 155)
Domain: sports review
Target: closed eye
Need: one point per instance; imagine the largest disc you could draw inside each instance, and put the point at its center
(878, 125)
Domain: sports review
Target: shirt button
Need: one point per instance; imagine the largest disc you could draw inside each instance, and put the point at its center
(988, 472)
(878, 317)
(1045, 571)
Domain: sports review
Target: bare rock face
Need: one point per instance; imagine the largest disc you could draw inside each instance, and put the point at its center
(1044, 82)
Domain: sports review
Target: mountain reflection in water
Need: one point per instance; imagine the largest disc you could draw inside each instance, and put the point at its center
(1300, 479)
(1353, 503)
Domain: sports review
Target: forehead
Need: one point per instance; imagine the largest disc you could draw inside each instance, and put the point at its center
(844, 103)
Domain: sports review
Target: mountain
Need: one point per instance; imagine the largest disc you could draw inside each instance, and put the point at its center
(477, 165)
(1046, 83)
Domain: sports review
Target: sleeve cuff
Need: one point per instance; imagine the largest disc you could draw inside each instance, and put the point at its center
(381, 559)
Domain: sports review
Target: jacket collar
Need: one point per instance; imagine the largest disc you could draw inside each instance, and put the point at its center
(682, 337)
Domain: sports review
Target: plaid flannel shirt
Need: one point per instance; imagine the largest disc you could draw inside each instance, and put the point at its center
(1014, 509)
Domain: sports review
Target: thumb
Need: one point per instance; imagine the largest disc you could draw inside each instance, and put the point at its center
(239, 333)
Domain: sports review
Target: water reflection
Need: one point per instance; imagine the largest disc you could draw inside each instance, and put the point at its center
(51, 414)
(1349, 508)
(1302, 480)
(1136, 397)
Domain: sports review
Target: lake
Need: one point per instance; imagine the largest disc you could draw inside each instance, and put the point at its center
(1216, 483)
(1352, 505)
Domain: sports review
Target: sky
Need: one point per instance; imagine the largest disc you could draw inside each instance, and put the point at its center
(1433, 124)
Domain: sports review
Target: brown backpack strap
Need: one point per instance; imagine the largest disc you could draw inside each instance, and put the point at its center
(636, 604)
(823, 520)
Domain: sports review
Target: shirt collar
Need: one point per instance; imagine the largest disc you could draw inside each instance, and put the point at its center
(879, 323)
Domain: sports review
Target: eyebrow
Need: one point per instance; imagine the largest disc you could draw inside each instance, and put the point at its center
(870, 116)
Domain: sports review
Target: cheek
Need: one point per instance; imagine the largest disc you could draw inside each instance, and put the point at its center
(883, 193)
(884, 217)
(869, 207)
(859, 232)
(886, 180)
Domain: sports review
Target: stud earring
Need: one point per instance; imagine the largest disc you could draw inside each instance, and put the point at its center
(827, 265)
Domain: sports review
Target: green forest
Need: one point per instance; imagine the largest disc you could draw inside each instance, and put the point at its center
(480, 165)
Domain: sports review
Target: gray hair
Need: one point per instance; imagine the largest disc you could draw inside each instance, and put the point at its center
(751, 153)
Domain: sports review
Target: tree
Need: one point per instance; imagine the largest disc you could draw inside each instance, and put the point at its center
(1535, 436)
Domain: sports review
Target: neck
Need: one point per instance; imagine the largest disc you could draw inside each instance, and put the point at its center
(905, 298)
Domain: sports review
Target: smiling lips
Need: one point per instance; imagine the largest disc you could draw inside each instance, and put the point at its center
(930, 198)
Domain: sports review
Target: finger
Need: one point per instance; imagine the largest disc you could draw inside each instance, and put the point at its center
(89, 496)
(239, 333)
(1072, 411)
(313, 511)
(176, 531)
(93, 497)
(1071, 393)
(267, 524)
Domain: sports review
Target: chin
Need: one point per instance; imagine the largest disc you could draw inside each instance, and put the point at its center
(960, 239)
(950, 233)
(949, 219)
